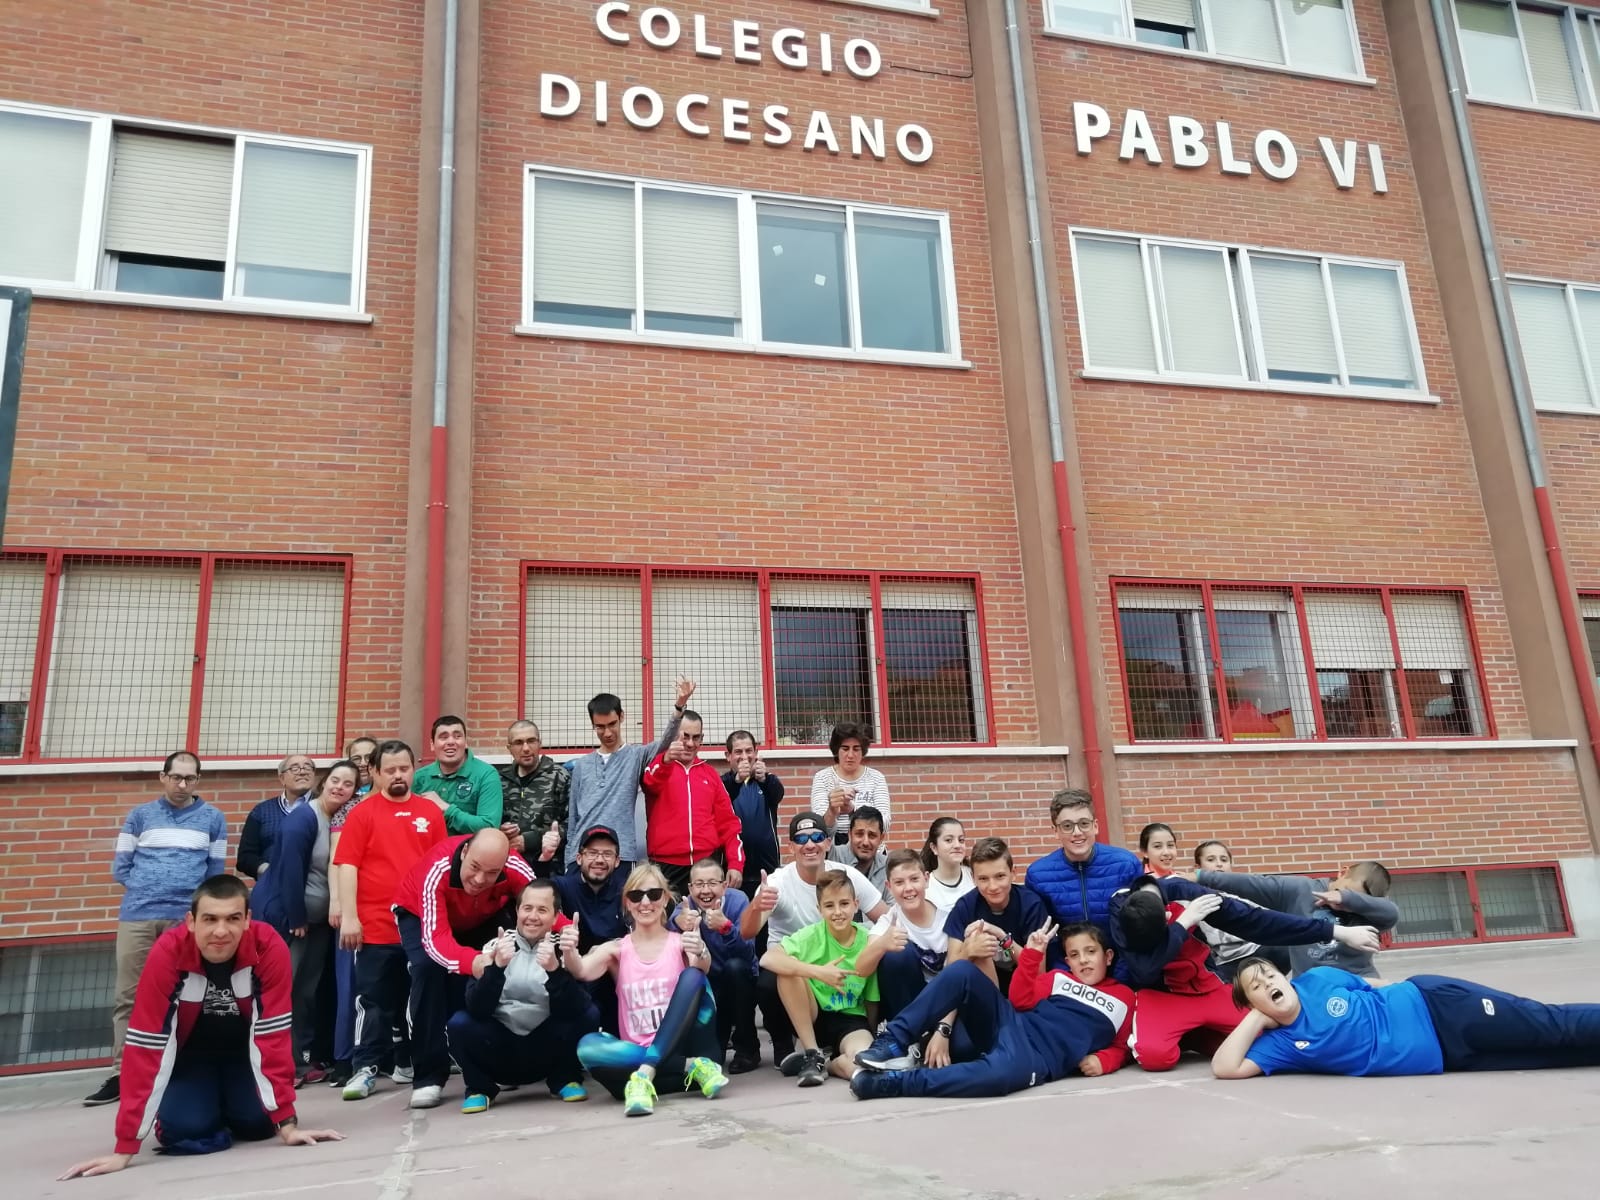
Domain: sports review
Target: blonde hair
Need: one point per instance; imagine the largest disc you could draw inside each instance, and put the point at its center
(647, 875)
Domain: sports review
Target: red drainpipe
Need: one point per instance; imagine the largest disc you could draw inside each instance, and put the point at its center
(1078, 639)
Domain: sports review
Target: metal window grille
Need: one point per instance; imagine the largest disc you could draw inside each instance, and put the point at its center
(128, 656)
(1475, 904)
(55, 1002)
(784, 655)
(1520, 902)
(1234, 662)
(1434, 907)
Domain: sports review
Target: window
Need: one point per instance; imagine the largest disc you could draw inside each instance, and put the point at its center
(1216, 314)
(55, 1001)
(1307, 35)
(233, 656)
(709, 267)
(1475, 904)
(786, 656)
(121, 207)
(1215, 662)
(1558, 327)
(1540, 54)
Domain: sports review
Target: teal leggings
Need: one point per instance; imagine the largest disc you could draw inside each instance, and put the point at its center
(688, 1029)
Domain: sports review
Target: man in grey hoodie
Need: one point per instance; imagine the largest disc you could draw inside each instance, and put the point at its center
(605, 782)
(1358, 897)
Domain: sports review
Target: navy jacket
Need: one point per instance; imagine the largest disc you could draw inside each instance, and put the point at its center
(599, 913)
(756, 806)
(279, 898)
(1082, 891)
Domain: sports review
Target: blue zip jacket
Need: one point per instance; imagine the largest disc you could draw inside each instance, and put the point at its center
(756, 806)
(164, 853)
(729, 951)
(1082, 891)
(279, 899)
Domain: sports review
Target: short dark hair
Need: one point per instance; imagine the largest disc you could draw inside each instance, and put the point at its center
(829, 880)
(866, 813)
(902, 858)
(1086, 929)
(736, 735)
(332, 767)
(1373, 876)
(604, 705)
(708, 861)
(1254, 963)
(689, 714)
(844, 731)
(350, 747)
(166, 767)
(219, 887)
(543, 885)
(990, 849)
(445, 722)
(1144, 921)
(1200, 850)
(1069, 798)
(392, 746)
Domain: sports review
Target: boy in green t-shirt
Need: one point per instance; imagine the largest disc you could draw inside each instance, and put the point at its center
(828, 1003)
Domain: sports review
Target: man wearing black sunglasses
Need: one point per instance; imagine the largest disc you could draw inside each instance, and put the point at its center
(785, 903)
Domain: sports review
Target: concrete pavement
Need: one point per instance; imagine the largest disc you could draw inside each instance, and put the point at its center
(1184, 1134)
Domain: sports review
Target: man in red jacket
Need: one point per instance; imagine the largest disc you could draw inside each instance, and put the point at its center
(687, 812)
(209, 1055)
(460, 895)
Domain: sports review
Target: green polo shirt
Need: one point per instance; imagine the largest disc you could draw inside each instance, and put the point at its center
(473, 797)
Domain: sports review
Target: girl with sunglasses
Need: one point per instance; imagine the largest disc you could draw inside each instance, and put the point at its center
(666, 1015)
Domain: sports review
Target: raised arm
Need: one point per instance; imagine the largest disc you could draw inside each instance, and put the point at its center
(1378, 911)
(1262, 925)
(1271, 891)
(1231, 1060)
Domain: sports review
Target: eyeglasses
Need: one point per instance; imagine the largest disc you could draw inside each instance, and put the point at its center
(300, 768)
(815, 838)
(1084, 826)
(184, 780)
(588, 853)
(640, 895)
(361, 760)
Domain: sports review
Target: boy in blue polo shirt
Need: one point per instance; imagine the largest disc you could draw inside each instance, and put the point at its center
(1331, 1022)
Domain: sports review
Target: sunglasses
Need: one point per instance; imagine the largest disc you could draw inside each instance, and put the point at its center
(640, 895)
(809, 839)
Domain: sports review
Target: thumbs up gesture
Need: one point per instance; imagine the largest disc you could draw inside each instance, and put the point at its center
(694, 946)
(505, 949)
(766, 895)
(569, 936)
(546, 953)
(897, 933)
(550, 843)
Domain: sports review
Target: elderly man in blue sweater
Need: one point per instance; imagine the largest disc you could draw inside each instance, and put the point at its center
(166, 849)
(605, 782)
(1078, 880)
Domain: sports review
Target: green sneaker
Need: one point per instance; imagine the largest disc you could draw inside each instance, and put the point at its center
(638, 1096)
(704, 1074)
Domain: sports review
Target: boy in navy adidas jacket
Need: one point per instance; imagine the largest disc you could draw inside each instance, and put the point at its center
(1056, 1023)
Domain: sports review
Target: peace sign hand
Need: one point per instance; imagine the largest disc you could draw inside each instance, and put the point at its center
(1040, 938)
(831, 974)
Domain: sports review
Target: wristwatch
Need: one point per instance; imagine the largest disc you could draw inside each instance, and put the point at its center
(944, 1029)
(287, 1123)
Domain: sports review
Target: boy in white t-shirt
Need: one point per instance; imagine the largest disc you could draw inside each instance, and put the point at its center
(909, 944)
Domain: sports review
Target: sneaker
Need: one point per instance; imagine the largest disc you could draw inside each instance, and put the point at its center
(572, 1093)
(402, 1074)
(704, 1074)
(108, 1092)
(743, 1061)
(339, 1074)
(638, 1096)
(877, 1085)
(886, 1054)
(427, 1096)
(309, 1075)
(814, 1068)
(475, 1103)
(361, 1084)
(789, 1065)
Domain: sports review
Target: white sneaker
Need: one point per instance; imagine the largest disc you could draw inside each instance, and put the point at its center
(361, 1084)
(402, 1074)
(428, 1096)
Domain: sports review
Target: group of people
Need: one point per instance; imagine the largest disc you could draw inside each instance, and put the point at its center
(518, 927)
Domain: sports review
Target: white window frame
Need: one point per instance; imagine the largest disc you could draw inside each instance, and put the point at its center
(917, 8)
(94, 262)
(1247, 322)
(1203, 28)
(750, 338)
(1591, 368)
(1574, 20)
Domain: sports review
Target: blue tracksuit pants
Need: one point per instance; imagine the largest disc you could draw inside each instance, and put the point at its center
(1481, 1029)
(993, 1030)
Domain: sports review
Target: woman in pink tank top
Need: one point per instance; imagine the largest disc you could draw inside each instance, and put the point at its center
(665, 1012)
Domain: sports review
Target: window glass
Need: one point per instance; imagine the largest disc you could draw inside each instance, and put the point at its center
(156, 276)
(803, 294)
(41, 222)
(297, 212)
(21, 597)
(1114, 307)
(929, 661)
(582, 636)
(691, 263)
(1197, 311)
(1170, 689)
(167, 213)
(1374, 327)
(1549, 346)
(1102, 18)
(1492, 52)
(1260, 698)
(900, 275)
(1544, 38)
(583, 253)
(822, 670)
(1246, 29)
(1318, 35)
(1296, 333)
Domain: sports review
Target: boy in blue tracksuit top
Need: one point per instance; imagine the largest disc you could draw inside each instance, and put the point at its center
(1056, 1023)
(733, 959)
(1078, 880)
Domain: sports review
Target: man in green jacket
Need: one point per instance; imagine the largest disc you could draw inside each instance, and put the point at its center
(465, 787)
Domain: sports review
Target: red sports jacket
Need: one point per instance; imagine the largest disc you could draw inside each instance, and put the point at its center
(688, 815)
(1030, 986)
(1190, 973)
(171, 990)
(431, 891)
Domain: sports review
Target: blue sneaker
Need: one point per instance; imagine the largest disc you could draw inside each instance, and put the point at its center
(475, 1103)
(877, 1085)
(886, 1054)
(573, 1093)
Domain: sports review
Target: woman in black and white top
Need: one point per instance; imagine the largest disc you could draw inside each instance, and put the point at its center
(839, 790)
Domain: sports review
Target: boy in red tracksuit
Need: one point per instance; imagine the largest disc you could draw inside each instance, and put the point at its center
(209, 1055)
(688, 815)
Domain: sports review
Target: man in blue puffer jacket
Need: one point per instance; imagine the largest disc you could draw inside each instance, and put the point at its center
(1078, 880)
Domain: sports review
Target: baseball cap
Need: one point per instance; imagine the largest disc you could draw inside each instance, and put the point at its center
(805, 822)
(599, 831)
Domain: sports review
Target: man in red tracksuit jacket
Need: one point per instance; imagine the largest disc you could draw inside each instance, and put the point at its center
(687, 813)
(209, 1055)
(457, 897)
